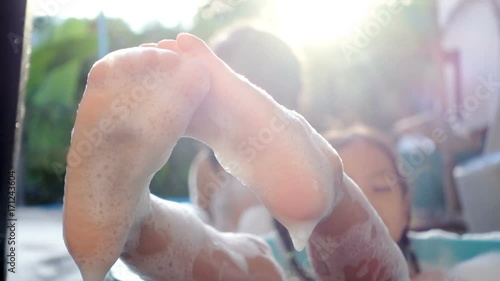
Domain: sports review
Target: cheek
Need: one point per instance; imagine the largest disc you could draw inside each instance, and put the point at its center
(392, 214)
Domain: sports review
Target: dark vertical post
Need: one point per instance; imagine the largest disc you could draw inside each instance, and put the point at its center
(12, 75)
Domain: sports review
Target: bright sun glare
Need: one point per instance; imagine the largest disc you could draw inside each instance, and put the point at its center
(297, 21)
(321, 20)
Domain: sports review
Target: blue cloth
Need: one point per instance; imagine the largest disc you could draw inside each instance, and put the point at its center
(443, 249)
(433, 248)
(422, 165)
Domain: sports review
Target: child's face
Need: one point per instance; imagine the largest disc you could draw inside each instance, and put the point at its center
(372, 170)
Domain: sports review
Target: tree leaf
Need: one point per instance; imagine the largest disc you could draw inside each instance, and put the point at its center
(60, 86)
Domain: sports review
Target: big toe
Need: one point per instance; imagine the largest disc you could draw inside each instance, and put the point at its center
(121, 64)
(190, 44)
(168, 44)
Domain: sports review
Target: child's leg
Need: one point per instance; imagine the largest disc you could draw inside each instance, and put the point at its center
(274, 151)
(172, 244)
(291, 168)
(296, 174)
(136, 106)
(352, 243)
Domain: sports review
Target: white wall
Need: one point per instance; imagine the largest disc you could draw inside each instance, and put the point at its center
(473, 31)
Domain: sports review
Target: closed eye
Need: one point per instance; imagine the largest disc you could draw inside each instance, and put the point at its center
(382, 188)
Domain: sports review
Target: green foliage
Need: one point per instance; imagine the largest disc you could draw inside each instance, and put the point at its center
(53, 91)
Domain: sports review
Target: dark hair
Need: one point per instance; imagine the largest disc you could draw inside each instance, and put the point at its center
(339, 139)
(264, 59)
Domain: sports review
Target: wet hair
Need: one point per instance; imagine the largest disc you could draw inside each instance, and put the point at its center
(340, 139)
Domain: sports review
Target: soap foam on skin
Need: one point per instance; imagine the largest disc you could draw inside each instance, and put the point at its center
(323, 180)
(364, 241)
(294, 175)
(107, 188)
(288, 169)
(236, 247)
(308, 163)
(241, 248)
(187, 235)
(327, 182)
(90, 266)
(189, 238)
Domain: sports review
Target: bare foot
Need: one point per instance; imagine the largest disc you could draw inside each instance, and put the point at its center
(271, 149)
(137, 104)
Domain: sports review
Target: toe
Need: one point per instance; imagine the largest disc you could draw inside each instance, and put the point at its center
(152, 56)
(142, 60)
(148, 45)
(165, 59)
(190, 43)
(168, 44)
